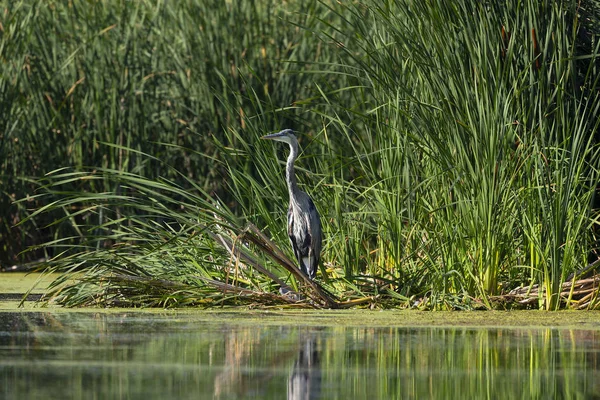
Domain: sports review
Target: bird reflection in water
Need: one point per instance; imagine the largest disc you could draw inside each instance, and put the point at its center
(304, 381)
(244, 371)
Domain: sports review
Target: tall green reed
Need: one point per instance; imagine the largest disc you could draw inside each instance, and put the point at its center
(485, 123)
(449, 147)
(139, 75)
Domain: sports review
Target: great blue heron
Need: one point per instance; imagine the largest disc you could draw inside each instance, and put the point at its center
(304, 224)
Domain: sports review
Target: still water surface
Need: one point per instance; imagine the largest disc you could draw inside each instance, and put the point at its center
(132, 355)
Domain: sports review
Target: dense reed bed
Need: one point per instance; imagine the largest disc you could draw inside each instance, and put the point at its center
(451, 149)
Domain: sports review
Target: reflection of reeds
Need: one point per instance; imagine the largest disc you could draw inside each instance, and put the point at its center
(156, 353)
(238, 346)
(462, 362)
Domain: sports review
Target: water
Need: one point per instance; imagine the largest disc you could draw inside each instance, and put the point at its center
(133, 355)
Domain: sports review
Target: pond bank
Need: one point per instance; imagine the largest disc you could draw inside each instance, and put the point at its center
(13, 286)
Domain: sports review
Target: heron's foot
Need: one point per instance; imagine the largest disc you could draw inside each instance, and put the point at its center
(285, 291)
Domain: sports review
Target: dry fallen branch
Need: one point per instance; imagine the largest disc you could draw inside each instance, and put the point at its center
(579, 294)
(253, 234)
(240, 253)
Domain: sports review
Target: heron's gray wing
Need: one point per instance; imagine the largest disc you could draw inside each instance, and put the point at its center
(315, 233)
(294, 241)
(314, 224)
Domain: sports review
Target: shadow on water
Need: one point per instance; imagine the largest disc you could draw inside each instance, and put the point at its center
(137, 355)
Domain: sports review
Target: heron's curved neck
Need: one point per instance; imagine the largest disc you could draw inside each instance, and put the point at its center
(289, 170)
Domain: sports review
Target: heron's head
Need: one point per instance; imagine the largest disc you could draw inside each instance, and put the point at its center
(286, 136)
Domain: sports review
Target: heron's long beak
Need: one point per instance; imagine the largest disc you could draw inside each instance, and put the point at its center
(272, 136)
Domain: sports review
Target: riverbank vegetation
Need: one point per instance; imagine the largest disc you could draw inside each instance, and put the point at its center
(451, 149)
